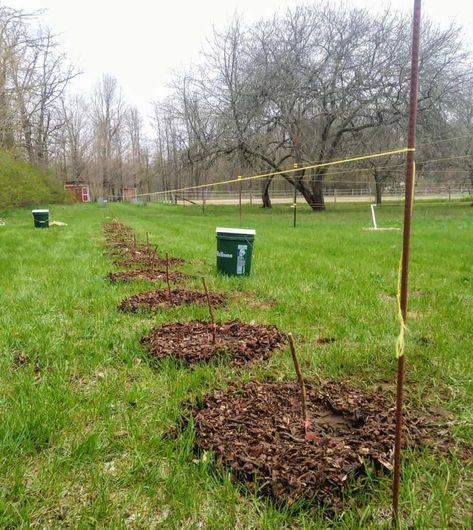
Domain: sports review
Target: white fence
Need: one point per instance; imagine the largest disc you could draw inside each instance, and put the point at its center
(214, 196)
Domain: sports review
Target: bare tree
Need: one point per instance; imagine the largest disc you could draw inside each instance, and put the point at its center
(299, 88)
(107, 110)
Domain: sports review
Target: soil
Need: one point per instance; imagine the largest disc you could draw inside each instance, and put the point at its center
(148, 261)
(152, 275)
(163, 299)
(257, 432)
(191, 342)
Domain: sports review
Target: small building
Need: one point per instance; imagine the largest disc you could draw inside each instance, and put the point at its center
(129, 194)
(81, 192)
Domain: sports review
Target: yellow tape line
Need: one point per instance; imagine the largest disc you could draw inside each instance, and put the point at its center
(400, 341)
(266, 175)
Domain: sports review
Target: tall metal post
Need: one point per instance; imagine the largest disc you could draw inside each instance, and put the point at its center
(408, 203)
(239, 196)
(294, 204)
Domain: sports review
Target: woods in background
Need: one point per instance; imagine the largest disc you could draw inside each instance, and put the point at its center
(312, 84)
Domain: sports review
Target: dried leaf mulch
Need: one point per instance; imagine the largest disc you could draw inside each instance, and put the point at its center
(130, 251)
(152, 275)
(148, 261)
(120, 242)
(257, 432)
(191, 342)
(164, 299)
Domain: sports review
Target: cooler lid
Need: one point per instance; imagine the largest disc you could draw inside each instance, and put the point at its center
(40, 211)
(240, 231)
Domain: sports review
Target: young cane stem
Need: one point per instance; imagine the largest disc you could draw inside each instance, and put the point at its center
(167, 274)
(212, 318)
(300, 378)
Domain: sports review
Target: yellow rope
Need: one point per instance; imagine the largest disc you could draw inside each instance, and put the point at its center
(400, 341)
(266, 175)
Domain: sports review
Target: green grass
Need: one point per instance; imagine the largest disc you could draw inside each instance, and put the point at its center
(64, 459)
(22, 184)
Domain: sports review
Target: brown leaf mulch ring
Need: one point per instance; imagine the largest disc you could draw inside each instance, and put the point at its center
(118, 243)
(148, 261)
(191, 342)
(257, 432)
(163, 299)
(152, 275)
(130, 251)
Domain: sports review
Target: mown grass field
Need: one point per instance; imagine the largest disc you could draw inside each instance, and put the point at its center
(85, 413)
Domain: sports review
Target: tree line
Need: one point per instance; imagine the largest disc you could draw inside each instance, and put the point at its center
(314, 83)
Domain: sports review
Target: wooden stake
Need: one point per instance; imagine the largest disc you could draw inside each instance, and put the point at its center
(301, 381)
(147, 240)
(404, 279)
(134, 241)
(167, 274)
(212, 318)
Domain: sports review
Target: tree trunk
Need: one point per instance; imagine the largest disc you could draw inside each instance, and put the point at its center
(265, 193)
(379, 190)
(318, 202)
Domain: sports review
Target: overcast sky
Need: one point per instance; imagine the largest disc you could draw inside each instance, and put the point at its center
(141, 41)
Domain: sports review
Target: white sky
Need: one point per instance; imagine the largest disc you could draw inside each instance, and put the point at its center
(141, 41)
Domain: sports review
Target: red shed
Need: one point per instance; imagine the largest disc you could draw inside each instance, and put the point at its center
(81, 192)
(129, 194)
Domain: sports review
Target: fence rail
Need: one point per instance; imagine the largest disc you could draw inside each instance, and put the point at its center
(331, 195)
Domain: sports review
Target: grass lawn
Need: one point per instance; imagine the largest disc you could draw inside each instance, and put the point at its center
(85, 413)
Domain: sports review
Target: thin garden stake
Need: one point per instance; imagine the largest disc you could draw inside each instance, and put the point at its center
(301, 381)
(167, 274)
(211, 313)
(294, 203)
(404, 272)
(239, 196)
(147, 240)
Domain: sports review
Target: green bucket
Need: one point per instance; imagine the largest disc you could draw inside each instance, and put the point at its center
(41, 218)
(234, 251)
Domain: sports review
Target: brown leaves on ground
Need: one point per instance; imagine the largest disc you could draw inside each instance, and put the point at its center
(163, 299)
(148, 261)
(130, 251)
(152, 275)
(191, 342)
(257, 432)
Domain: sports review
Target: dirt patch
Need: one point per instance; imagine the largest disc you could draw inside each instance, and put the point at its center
(152, 275)
(163, 299)
(257, 432)
(148, 261)
(191, 342)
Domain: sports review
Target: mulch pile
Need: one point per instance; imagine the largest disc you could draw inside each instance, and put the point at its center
(132, 250)
(257, 432)
(163, 298)
(152, 275)
(191, 342)
(148, 261)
